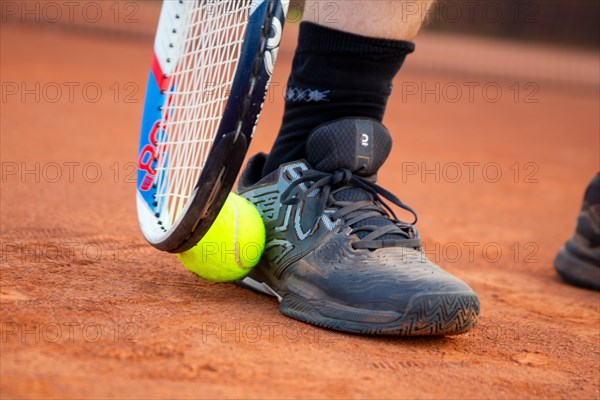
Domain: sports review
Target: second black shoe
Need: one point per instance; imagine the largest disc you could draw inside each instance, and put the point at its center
(336, 255)
(578, 262)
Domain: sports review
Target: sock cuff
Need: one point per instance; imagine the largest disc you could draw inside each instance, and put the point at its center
(318, 38)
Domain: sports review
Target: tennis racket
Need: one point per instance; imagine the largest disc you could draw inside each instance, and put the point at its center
(213, 60)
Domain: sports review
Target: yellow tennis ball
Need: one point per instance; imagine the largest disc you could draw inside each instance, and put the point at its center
(232, 246)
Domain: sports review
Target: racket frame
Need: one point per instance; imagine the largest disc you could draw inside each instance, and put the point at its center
(230, 145)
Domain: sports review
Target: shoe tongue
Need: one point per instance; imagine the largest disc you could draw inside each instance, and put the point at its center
(359, 144)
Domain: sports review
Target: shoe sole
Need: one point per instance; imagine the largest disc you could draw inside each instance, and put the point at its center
(576, 271)
(433, 314)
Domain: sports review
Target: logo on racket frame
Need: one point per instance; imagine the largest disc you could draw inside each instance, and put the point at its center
(273, 45)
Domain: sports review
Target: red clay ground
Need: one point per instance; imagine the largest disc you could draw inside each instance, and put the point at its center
(89, 310)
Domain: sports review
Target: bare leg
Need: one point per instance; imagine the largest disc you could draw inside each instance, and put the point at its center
(395, 19)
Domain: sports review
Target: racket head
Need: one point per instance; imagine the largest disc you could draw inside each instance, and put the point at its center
(193, 139)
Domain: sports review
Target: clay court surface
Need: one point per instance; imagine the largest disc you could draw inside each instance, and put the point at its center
(89, 310)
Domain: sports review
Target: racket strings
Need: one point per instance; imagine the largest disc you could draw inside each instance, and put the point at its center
(207, 57)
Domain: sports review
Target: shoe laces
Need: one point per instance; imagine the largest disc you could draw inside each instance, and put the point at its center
(372, 236)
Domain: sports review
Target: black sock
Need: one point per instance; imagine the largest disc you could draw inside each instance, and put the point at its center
(335, 74)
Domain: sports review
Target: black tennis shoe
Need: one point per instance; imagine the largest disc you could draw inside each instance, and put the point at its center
(336, 254)
(578, 262)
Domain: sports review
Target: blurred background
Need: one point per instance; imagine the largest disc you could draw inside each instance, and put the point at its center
(560, 38)
(557, 41)
(562, 22)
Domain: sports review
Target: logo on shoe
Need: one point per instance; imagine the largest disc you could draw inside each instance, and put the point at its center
(292, 229)
(364, 140)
